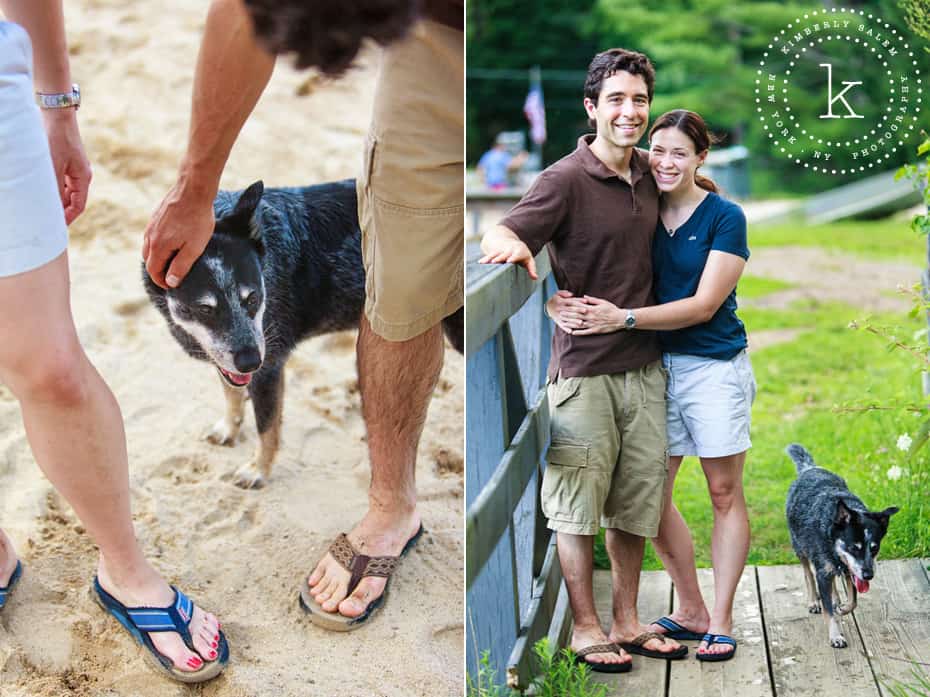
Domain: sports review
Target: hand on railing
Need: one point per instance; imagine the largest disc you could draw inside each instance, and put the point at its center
(502, 246)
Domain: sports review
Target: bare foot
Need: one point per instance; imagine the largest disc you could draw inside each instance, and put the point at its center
(695, 622)
(376, 535)
(583, 637)
(718, 628)
(7, 560)
(147, 588)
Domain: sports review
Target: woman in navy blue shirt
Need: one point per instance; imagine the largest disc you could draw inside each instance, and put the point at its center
(699, 252)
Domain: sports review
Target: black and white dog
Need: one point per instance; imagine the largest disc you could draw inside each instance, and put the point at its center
(834, 535)
(282, 265)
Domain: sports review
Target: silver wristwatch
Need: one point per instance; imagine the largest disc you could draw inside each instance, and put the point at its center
(630, 320)
(62, 100)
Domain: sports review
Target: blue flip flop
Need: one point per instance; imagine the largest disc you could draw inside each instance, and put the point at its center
(675, 631)
(142, 621)
(8, 588)
(712, 639)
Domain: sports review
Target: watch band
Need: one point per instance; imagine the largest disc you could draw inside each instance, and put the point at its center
(60, 100)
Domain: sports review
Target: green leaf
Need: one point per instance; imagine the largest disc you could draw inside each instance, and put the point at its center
(923, 433)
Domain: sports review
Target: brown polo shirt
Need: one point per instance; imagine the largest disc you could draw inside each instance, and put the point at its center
(599, 231)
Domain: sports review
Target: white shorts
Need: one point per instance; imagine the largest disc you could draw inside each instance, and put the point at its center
(709, 404)
(32, 220)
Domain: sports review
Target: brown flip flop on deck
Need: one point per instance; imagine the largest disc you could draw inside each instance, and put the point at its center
(636, 646)
(602, 667)
(360, 566)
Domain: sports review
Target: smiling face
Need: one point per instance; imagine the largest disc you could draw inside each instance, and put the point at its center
(622, 109)
(673, 160)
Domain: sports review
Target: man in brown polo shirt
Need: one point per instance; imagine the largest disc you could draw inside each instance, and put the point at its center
(596, 209)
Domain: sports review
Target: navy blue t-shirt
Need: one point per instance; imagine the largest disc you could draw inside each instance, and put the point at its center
(678, 261)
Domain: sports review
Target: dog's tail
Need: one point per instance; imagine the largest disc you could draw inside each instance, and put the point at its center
(802, 459)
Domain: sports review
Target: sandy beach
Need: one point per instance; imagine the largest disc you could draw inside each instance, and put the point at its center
(241, 554)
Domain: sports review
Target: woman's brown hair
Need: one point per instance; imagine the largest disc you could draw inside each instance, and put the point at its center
(693, 126)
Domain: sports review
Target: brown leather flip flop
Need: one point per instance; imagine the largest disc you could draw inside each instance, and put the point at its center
(360, 566)
(636, 646)
(602, 667)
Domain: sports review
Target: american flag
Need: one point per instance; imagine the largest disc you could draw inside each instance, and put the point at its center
(535, 112)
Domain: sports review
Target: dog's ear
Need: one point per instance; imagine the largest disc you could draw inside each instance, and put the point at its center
(248, 201)
(843, 514)
(882, 517)
(241, 221)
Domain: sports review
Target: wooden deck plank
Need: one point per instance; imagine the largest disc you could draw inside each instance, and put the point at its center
(802, 660)
(894, 619)
(648, 677)
(747, 673)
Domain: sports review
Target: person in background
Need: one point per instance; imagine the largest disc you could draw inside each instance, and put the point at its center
(497, 165)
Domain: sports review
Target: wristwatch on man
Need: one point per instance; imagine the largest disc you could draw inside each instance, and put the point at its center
(630, 321)
(61, 100)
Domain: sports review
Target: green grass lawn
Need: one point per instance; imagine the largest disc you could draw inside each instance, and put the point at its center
(756, 286)
(873, 239)
(810, 392)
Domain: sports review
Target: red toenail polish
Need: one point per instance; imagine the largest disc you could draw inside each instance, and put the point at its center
(215, 644)
(213, 654)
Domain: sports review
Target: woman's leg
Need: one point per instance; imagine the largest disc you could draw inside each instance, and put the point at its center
(676, 551)
(75, 429)
(730, 542)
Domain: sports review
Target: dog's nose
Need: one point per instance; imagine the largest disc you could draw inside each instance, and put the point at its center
(868, 574)
(247, 360)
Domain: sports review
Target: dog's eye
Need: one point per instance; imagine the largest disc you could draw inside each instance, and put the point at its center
(252, 302)
(858, 545)
(205, 310)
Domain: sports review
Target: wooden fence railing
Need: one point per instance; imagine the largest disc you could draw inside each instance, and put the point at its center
(515, 593)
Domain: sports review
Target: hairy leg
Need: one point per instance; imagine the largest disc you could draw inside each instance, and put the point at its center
(576, 557)
(396, 379)
(626, 560)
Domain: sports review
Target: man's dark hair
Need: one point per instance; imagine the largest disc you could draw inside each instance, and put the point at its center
(328, 35)
(613, 61)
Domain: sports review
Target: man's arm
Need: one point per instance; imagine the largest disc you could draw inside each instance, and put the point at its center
(44, 22)
(232, 72)
(502, 246)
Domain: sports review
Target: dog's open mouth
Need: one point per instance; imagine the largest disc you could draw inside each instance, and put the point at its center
(861, 584)
(235, 379)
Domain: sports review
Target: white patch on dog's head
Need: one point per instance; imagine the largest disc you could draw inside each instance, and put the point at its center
(213, 345)
(209, 300)
(853, 564)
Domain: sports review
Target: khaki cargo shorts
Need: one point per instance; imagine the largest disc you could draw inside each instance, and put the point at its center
(411, 192)
(607, 458)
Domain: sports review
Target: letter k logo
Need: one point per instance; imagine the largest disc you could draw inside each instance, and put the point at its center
(831, 99)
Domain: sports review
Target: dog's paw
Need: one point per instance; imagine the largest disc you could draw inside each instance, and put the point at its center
(249, 477)
(838, 642)
(223, 433)
(845, 608)
(814, 608)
